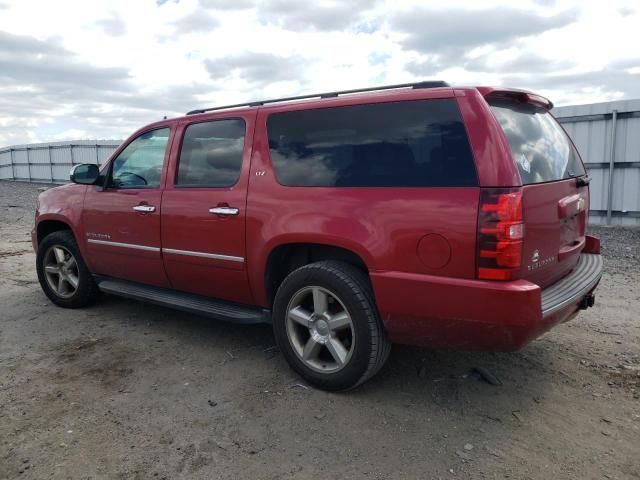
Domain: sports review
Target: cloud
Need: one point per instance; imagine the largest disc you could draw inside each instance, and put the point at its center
(227, 4)
(626, 64)
(198, 21)
(325, 16)
(107, 73)
(27, 60)
(42, 82)
(612, 78)
(454, 31)
(71, 134)
(114, 25)
(253, 67)
(424, 68)
(626, 11)
(527, 62)
(19, 44)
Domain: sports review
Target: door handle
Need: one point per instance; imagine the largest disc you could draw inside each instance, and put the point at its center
(224, 211)
(144, 208)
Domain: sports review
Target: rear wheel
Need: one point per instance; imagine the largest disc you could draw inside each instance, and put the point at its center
(327, 326)
(62, 273)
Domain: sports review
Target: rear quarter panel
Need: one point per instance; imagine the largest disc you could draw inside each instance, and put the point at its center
(490, 147)
(383, 226)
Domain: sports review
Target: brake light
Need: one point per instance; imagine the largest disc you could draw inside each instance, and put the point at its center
(539, 100)
(500, 233)
(522, 97)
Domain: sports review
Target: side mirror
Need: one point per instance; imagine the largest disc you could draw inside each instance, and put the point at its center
(84, 174)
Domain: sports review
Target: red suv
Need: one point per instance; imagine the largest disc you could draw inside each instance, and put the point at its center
(419, 214)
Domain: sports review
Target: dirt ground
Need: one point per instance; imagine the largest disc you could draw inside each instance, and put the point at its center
(128, 390)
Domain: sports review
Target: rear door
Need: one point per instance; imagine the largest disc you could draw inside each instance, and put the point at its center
(555, 195)
(204, 207)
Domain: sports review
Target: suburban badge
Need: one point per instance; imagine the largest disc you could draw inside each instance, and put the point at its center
(537, 262)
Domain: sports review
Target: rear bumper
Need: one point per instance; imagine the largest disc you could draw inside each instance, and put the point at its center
(475, 314)
(572, 288)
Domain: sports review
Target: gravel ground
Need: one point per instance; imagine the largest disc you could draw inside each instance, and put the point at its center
(127, 390)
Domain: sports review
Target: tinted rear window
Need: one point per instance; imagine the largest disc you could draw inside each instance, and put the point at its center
(401, 144)
(540, 147)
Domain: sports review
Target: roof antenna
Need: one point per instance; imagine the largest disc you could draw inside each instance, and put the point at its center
(164, 118)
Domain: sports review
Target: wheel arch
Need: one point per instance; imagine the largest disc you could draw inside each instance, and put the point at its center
(49, 225)
(287, 257)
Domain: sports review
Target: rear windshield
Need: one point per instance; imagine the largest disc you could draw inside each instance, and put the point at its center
(540, 147)
(400, 144)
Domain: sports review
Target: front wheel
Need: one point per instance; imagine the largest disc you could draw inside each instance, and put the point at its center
(327, 326)
(62, 273)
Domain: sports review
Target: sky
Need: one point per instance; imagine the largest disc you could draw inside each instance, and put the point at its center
(100, 69)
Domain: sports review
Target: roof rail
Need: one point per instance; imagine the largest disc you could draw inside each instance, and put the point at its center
(424, 84)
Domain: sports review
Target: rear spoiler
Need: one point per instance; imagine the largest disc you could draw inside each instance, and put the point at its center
(521, 96)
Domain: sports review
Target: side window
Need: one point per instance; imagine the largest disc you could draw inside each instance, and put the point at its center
(211, 154)
(139, 165)
(399, 144)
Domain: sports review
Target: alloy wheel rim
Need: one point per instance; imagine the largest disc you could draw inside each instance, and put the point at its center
(61, 271)
(320, 329)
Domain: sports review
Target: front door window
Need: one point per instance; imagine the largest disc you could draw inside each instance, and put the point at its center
(139, 165)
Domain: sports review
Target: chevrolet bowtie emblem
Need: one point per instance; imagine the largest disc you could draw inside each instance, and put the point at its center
(536, 256)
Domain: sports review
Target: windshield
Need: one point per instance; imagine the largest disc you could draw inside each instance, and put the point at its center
(540, 147)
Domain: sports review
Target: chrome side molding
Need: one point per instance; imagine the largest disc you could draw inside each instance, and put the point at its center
(124, 245)
(215, 256)
(174, 251)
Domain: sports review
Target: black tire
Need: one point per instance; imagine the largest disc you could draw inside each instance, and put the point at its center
(86, 292)
(370, 344)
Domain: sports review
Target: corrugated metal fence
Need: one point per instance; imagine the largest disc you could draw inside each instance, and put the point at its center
(608, 138)
(51, 162)
(607, 135)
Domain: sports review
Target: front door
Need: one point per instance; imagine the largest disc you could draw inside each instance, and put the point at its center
(203, 208)
(121, 222)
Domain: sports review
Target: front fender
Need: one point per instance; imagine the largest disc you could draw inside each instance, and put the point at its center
(63, 204)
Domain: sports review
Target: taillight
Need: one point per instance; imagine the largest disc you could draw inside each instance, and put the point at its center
(500, 233)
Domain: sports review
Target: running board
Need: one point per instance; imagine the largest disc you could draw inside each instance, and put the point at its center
(187, 302)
